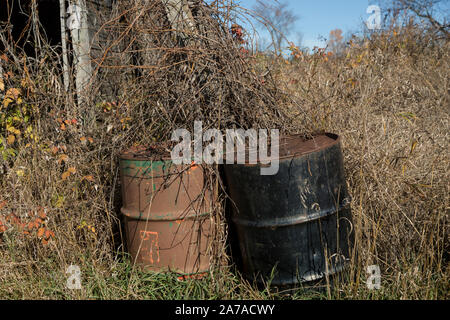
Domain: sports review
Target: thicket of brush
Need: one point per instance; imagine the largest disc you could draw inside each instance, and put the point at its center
(387, 96)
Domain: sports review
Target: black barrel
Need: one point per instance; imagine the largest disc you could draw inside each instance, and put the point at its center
(297, 222)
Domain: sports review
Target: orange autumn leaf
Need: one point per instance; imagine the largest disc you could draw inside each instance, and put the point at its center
(83, 139)
(12, 218)
(62, 157)
(55, 149)
(44, 242)
(30, 225)
(49, 234)
(88, 178)
(63, 126)
(72, 170)
(40, 232)
(65, 175)
(42, 214)
(2, 227)
(3, 203)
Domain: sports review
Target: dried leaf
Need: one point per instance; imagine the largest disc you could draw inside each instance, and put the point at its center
(13, 130)
(413, 146)
(6, 102)
(3, 203)
(13, 93)
(12, 218)
(49, 234)
(90, 140)
(40, 232)
(2, 85)
(72, 170)
(65, 175)
(63, 126)
(2, 227)
(88, 178)
(44, 242)
(54, 149)
(42, 214)
(11, 139)
(62, 157)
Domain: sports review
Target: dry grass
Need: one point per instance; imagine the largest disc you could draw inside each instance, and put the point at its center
(387, 96)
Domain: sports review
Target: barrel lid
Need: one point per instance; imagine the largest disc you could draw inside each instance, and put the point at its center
(290, 146)
(298, 145)
(157, 151)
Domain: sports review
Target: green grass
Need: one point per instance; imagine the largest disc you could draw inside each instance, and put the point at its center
(22, 277)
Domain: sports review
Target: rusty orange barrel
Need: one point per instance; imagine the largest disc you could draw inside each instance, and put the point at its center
(166, 210)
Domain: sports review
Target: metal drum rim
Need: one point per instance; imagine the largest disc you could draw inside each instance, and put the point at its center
(290, 221)
(334, 140)
(127, 213)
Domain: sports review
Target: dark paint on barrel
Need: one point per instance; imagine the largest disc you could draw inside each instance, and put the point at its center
(298, 221)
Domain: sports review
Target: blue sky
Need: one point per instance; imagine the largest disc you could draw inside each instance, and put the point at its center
(318, 17)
